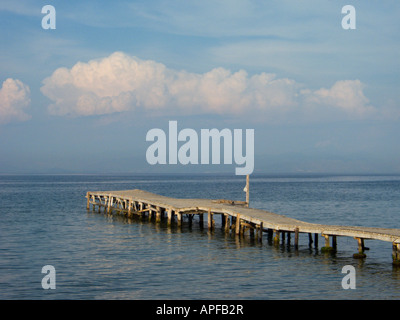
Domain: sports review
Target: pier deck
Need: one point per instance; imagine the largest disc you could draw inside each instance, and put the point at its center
(237, 218)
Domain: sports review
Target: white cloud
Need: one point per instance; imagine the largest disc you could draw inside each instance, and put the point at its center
(121, 82)
(346, 95)
(14, 99)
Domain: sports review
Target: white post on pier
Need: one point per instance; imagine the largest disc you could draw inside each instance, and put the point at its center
(247, 190)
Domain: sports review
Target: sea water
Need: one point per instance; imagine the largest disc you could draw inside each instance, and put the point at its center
(44, 221)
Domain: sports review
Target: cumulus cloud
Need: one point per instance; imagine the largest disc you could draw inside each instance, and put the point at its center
(346, 95)
(14, 99)
(124, 83)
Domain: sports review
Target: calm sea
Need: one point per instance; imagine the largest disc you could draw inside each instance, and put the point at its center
(44, 221)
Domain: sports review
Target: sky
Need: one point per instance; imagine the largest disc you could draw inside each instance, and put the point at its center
(80, 98)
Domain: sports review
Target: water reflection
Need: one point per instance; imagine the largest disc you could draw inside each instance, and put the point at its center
(195, 233)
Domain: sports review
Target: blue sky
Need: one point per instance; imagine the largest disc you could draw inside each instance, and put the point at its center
(81, 98)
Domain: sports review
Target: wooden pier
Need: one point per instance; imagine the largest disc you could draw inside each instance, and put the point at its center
(237, 218)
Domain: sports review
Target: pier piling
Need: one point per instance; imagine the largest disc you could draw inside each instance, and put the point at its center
(360, 254)
(396, 253)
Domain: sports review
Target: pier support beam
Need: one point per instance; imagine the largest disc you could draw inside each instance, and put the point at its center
(169, 215)
(327, 247)
(361, 248)
(179, 218)
(129, 209)
(201, 220)
(88, 200)
(237, 224)
(158, 214)
(247, 190)
(296, 238)
(210, 220)
(110, 200)
(227, 223)
(396, 253)
(276, 237)
(310, 240)
(270, 234)
(190, 219)
(334, 243)
(260, 232)
(251, 230)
